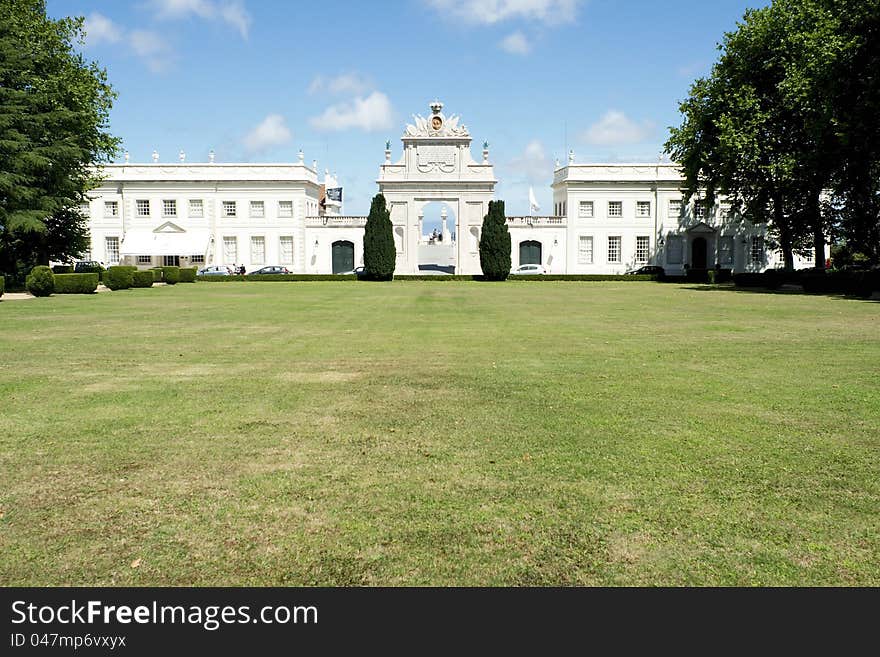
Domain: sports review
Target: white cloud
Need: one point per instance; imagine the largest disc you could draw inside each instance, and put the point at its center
(533, 164)
(100, 29)
(271, 131)
(346, 83)
(231, 12)
(489, 12)
(615, 128)
(152, 48)
(516, 44)
(369, 114)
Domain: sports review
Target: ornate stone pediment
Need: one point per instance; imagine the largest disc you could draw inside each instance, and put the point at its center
(169, 227)
(436, 125)
(702, 227)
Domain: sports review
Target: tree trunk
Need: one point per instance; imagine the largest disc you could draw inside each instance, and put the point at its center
(785, 241)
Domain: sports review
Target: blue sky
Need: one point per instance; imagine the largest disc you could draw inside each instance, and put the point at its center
(256, 80)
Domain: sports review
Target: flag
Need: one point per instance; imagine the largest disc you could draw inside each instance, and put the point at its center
(533, 202)
(335, 194)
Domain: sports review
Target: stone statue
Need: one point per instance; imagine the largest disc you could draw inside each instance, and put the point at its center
(485, 145)
(388, 145)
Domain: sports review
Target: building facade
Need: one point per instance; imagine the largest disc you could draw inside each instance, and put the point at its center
(607, 218)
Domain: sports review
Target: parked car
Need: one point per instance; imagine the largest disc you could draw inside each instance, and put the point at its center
(647, 270)
(87, 267)
(215, 270)
(272, 269)
(357, 271)
(529, 270)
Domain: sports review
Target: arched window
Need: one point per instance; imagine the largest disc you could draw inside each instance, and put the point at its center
(530, 253)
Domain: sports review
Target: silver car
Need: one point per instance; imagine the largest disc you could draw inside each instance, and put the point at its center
(215, 270)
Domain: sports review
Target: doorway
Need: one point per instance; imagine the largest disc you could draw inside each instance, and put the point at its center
(343, 256)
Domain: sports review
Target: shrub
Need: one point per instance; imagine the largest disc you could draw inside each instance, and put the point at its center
(380, 254)
(158, 274)
(2, 284)
(723, 275)
(188, 274)
(694, 275)
(171, 275)
(76, 283)
(118, 278)
(40, 282)
(62, 269)
(774, 278)
(495, 244)
(142, 278)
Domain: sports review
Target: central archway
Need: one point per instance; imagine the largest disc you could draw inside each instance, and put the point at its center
(436, 166)
(436, 247)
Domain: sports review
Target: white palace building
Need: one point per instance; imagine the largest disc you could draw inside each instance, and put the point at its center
(607, 218)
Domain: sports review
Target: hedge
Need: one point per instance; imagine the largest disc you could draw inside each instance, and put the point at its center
(171, 275)
(158, 274)
(40, 282)
(62, 269)
(423, 277)
(278, 277)
(119, 278)
(188, 274)
(142, 278)
(2, 284)
(76, 283)
(841, 281)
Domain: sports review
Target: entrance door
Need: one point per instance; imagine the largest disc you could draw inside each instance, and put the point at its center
(530, 253)
(343, 256)
(171, 261)
(699, 257)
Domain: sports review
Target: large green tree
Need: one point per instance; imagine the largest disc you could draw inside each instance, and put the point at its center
(380, 255)
(495, 244)
(54, 111)
(786, 122)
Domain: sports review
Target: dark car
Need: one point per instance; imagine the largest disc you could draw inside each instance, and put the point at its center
(87, 267)
(647, 270)
(269, 270)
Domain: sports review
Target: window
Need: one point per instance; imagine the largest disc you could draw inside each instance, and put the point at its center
(564, 207)
(228, 208)
(674, 250)
(258, 209)
(286, 250)
(643, 208)
(143, 208)
(585, 250)
(614, 249)
(258, 250)
(169, 208)
(111, 250)
(643, 248)
(230, 250)
(196, 208)
(757, 250)
(675, 207)
(615, 208)
(285, 209)
(699, 210)
(585, 209)
(145, 260)
(197, 259)
(111, 209)
(725, 251)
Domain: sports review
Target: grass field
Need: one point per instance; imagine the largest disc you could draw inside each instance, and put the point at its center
(439, 433)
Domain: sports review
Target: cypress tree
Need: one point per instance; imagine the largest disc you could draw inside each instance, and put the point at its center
(380, 255)
(495, 244)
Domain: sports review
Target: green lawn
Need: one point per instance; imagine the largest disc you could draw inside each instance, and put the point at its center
(439, 433)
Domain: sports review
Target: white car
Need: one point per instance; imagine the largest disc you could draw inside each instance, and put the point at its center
(215, 270)
(529, 270)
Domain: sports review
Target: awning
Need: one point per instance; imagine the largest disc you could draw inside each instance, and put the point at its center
(146, 242)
